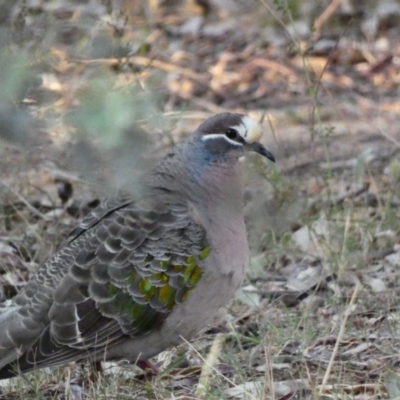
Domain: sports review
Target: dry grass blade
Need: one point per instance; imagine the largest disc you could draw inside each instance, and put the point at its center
(248, 394)
(339, 338)
(269, 381)
(208, 366)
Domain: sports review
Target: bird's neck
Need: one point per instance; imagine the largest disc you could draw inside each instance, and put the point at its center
(219, 189)
(213, 186)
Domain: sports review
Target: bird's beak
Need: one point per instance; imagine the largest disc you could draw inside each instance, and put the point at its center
(257, 147)
(252, 136)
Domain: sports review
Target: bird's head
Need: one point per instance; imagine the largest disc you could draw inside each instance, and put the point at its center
(206, 164)
(229, 133)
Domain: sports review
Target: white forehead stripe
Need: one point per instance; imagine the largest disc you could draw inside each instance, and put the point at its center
(219, 135)
(250, 130)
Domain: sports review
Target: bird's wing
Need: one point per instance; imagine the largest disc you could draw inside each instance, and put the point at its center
(119, 273)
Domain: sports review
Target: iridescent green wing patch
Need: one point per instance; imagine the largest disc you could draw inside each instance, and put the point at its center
(146, 298)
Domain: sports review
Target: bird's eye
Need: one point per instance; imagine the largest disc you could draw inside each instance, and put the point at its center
(231, 133)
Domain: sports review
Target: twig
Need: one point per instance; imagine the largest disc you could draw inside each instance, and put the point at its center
(388, 137)
(272, 65)
(321, 20)
(145, 62)
(24, 201)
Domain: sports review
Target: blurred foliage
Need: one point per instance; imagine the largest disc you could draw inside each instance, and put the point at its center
(105, 112)
(109, 122)
(16, 123)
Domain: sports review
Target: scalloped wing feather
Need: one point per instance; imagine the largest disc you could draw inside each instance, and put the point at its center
(118, 274)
